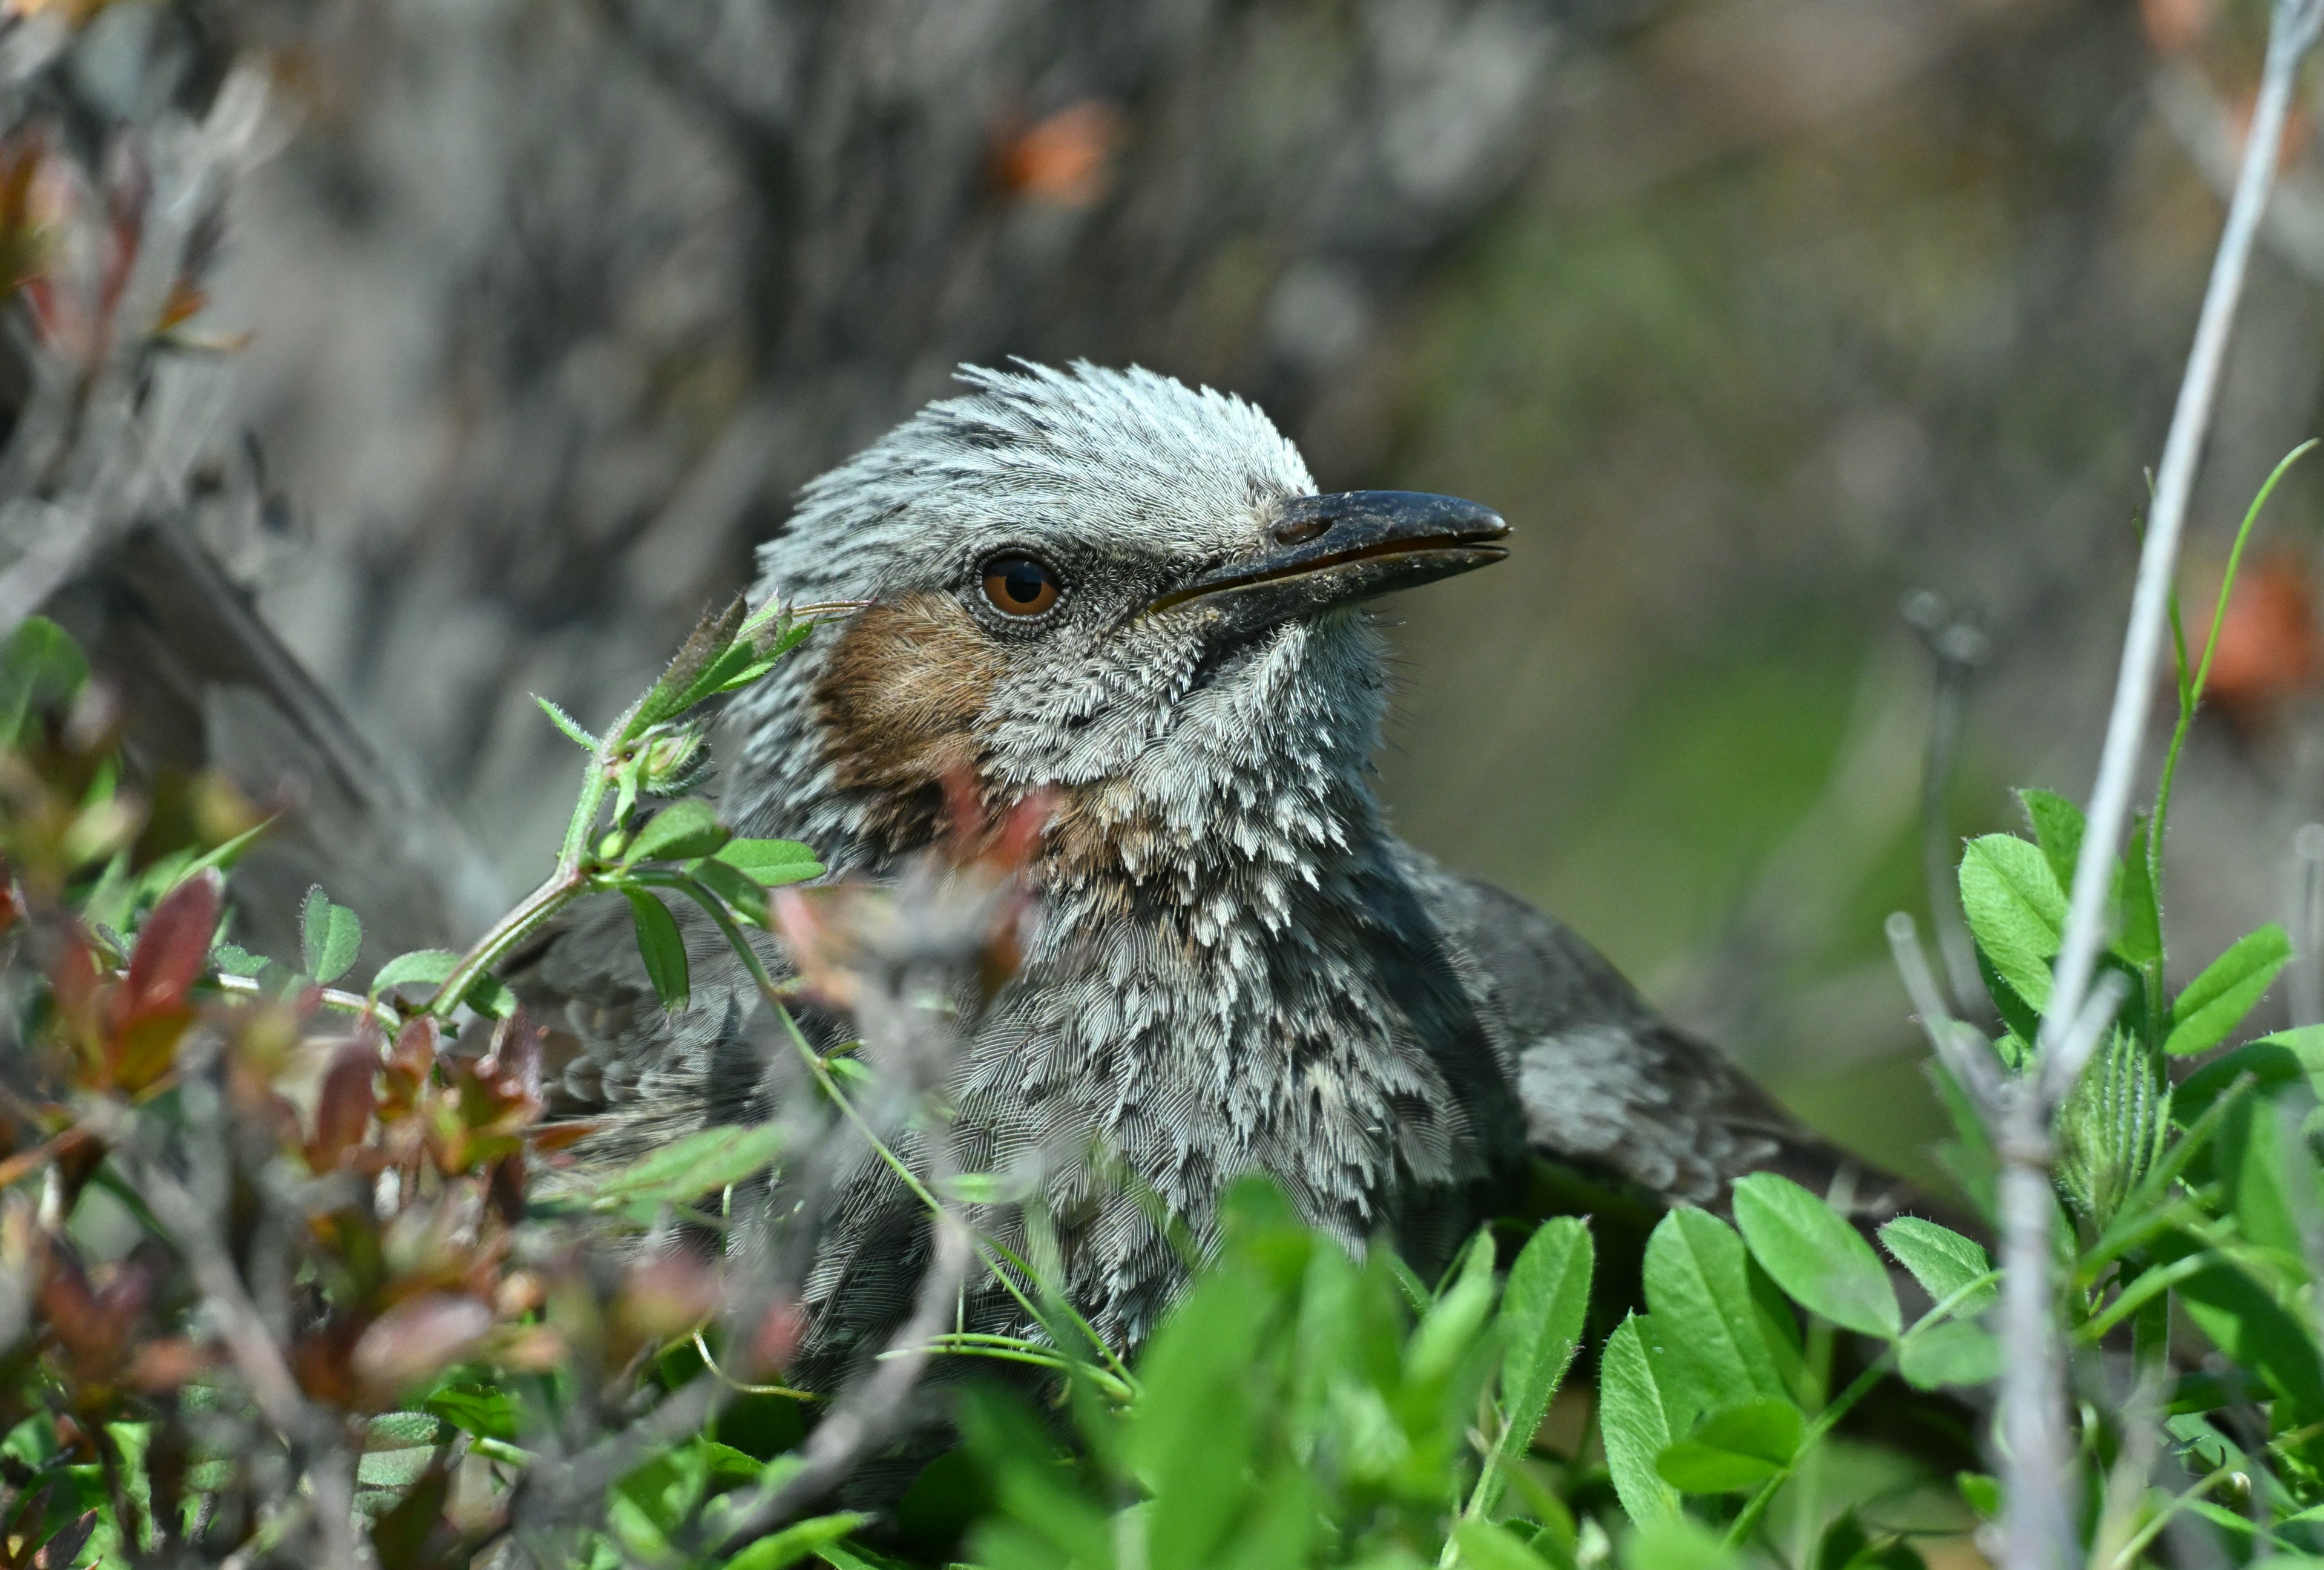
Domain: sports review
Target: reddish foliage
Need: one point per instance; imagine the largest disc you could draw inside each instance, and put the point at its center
(1063, 159)
(2269, 648)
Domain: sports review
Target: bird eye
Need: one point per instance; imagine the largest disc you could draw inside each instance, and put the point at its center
(1018, 586)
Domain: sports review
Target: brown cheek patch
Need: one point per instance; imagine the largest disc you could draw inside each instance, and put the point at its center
(899, 700)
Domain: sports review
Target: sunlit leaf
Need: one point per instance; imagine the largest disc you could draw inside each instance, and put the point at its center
(1708, 1315)
(41, 667)
(796, 1542)
(1942, 1262)
(2016, 906)
(1634, 1422)
(662, 947)
(429, 966)
(2057, 826)
(683, 829)
(700, 1163)
(1543, 1307)
(2215, 1001)
(1734, 1448)
(1954, 1352)
(572, 727)
(1816, 1256)
(738, 889)
(1486, 1547)
(329, 936)
(771, 862)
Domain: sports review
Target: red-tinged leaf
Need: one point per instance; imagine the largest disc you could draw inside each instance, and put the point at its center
(668, 1296)
(414, 1533)
(418, 1338)
(172, 947)
(72, 983)
(504, 1188)
(546, 1138)
(159, 1367)
(143, 1048)
(125, 1292)
(343, 1108)
(61, 1550)
(406, 1072)
(67, 1302)
(777, 1337)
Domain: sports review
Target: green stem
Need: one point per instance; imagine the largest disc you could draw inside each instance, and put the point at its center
(1824, 1421)
(2191, 693)
(506, 934)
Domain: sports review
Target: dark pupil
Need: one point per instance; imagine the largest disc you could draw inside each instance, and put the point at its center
(1022, 581)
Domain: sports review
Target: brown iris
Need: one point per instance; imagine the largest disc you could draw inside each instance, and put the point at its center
(1018, 586)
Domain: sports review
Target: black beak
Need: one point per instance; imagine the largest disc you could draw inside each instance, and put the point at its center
(1340, 548)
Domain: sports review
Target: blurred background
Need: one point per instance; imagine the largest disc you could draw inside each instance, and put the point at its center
(1765, 323)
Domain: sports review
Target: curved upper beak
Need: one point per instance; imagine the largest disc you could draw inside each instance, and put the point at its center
(1337, 549)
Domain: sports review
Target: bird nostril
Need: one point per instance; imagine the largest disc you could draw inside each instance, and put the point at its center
(1300, 532)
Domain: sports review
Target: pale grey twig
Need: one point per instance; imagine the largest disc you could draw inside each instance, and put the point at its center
(1959, 1048)
(1959, 646)
(2038, 1517)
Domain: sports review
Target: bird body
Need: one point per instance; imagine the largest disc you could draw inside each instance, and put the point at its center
(1126, 597)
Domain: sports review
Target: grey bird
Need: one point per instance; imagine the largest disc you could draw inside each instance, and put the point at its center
(1128, 594)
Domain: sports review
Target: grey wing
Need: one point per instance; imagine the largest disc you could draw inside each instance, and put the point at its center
(1605, 1082)
(614, 1056)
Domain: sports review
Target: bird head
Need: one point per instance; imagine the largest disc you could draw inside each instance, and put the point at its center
(1097, 583)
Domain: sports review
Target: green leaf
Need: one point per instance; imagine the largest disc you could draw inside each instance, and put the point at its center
(1953, 1351)
(796, 1542)
(2268, 1175)
(1634, 1422)
(2112, 1129)
(480, 1409)
(41, 667)
(2215, 1001)
(771, 862)
(329, 936)
(712, 636)
(2139, 920)
(736, 888)
(1543, 1310)
(663, 950)
(1943, 1261)
(2016, 906)
(1698, 1280)
(1816, 1256)
(700, 1163)
(1675, 1542)
(1486, 1547)
(2247, 1324)
(431, 966)
(1450, 1326)
(2286, 1057)
(681, 830)
(1734, 1448)
(490, 996)
(2057, 826)
(1980, 1492)
(233, 959)
(565, 722)
(2023, 1022)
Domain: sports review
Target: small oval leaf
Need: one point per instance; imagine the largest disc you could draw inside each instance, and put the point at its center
(684, 829)
(662, 948)
(1816, 1256)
